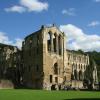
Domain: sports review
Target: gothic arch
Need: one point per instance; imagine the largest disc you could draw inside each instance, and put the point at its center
(56, 68)
(84, 67)
(76, 66)
(79, 66)
(80, 75)
(60, 44)
(54, 42)
(73, 66)
(75, 74)
(49, 41)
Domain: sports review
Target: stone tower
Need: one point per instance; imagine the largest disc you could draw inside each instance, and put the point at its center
(44, 57)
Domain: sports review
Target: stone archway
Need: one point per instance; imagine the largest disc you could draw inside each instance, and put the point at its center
(60, 44)
(55, 42)
(49, 41)
(75, 74)
(80, 75)
(55, 68)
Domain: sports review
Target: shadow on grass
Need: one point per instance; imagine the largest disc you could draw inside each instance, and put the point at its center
(83, 99)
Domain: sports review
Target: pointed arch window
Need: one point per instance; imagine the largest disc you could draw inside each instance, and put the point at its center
(55, 68)
(49, 41)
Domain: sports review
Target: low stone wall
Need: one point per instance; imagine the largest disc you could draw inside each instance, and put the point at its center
(77, 84)
(6, 84)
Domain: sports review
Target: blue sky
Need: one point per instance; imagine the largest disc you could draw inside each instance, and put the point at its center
(79, 19)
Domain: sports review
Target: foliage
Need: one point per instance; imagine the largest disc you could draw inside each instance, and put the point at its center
(96, 57)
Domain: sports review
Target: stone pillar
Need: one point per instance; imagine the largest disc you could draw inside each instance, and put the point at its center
(61, 45)
(83, 75)
(73, 69)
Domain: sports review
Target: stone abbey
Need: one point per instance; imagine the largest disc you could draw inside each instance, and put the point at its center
(45, 62)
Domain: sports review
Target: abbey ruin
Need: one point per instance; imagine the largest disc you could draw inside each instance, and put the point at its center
(46, 63)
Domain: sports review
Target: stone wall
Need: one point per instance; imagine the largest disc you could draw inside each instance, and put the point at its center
(78, 63)
(6, 84)
(9, 63)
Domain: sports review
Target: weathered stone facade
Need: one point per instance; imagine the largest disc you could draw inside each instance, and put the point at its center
(9, 63)
(78, 62)
(43, 56)
(47, 64)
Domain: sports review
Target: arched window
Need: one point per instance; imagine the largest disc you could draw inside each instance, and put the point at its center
(84, 67)
(72, 76)
(55, 68)
(79, 66)
(49, 41)
(60, 45)
(54, 42)
(73, 67)
(80, 75)
(76, 66)
(50, 78)
(75, 74)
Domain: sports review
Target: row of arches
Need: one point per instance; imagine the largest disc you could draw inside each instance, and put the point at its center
(78, 58)
(78, 66)
(77, 75)
(54, 43)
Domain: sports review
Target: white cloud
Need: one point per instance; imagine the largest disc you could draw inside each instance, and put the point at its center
(5, 40)
(97, 0)
(94, 23)
(28, 6)
(69, 12)
(77, 39)
(18, 42)
(15, 9)
(34, 5)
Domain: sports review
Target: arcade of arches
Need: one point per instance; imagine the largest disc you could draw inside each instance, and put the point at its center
(54, 43)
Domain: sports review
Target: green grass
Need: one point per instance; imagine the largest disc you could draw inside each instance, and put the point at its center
(46, 95)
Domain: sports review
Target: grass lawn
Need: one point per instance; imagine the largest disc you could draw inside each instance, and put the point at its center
(47, 95)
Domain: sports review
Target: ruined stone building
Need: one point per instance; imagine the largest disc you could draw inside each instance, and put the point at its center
(44, 58)
(9, 63)
(79, 63)
(48, 65)
(45, 62)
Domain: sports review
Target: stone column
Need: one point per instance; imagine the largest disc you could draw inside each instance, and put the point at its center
(58, 44)
(73, 69)
(61, 45)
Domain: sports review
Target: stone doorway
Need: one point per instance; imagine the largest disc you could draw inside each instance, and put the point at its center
(53, 87)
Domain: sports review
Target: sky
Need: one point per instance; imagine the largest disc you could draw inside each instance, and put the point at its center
(79, 19)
